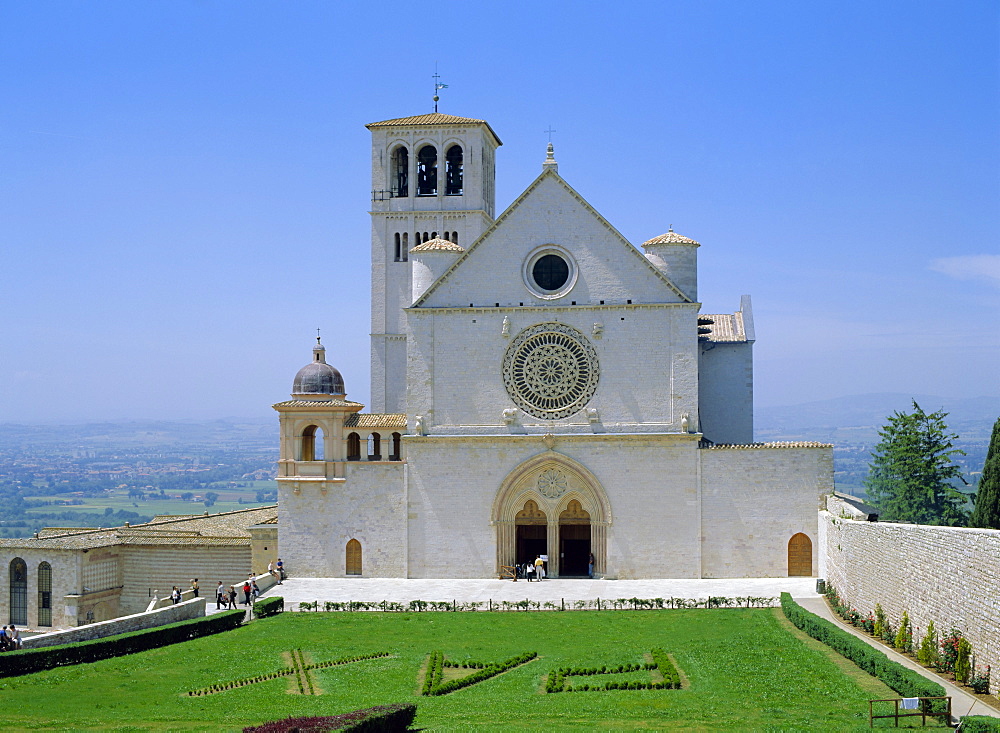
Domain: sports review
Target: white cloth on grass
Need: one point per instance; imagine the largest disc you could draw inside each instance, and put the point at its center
(910, 703)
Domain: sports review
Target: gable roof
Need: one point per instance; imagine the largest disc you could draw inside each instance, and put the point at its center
(548, 172)
(433, 118)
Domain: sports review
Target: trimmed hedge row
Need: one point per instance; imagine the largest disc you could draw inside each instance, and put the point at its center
(27, 661)
(379, 719)
(904, 681)
(268, 607)
(286, 672)
(980, 724)
(557, 678)
(671, 677)
(443, 688)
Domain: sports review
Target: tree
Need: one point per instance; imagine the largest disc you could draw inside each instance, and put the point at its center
(911, 473)
(987, 504)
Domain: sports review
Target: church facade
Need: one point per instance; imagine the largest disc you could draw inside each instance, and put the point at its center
(539, 386)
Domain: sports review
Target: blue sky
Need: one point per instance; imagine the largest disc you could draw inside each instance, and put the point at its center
(184, 185)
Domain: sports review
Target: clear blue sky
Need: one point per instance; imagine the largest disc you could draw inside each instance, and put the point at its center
(184, 186)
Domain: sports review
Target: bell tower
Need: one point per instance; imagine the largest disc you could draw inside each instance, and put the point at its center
(433, 177)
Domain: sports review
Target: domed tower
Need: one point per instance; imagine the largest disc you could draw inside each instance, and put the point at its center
(313, 448)
(676, 256)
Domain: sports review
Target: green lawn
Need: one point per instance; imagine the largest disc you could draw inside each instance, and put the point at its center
(742, 670)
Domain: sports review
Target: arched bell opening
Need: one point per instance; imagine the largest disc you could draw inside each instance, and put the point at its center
(574, 541)
(311, 446)
(353, 447)
(531, 533)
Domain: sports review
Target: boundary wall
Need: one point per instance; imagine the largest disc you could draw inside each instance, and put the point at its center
(182, 611)
(948, 575)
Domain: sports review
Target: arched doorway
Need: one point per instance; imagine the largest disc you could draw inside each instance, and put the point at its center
(353, 560)
(531, 527)
(800, 556)
(574, 540)
(561, 493)
(18, 592)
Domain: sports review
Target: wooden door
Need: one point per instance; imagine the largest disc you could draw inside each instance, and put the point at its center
(354, 558)
(800, 556)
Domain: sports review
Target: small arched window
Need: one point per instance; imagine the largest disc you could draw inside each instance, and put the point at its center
(400, 172)
(18, 592)
(396, 441)
(44, 594)
(399, 247)
(453, 171)
(454, 237)
(374, 447)
(312, 444)
(427, 175)
(406, 246)
(353, 559)
(354, 447)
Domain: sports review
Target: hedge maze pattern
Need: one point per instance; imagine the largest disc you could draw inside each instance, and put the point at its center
(434, 683)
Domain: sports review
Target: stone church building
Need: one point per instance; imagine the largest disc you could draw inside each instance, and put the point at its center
(539, 385)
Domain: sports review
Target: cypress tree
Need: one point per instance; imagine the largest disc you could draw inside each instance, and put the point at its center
(911, 473)
(987, 508)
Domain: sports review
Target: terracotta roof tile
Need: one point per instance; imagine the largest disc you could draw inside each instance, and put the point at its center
(438, 245)
(375, 420)
(775, 445)
(318, 403)
(433, 118)
(671, 237)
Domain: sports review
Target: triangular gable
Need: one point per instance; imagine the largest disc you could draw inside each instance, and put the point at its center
(577, 220)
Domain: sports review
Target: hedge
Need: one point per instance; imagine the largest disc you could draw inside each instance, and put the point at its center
(904, 681)
(979, 724)
(434, 686)
(379, 719)
(268, 607)
(26, 661)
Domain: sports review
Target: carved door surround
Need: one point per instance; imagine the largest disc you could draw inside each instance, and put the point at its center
(560, 489)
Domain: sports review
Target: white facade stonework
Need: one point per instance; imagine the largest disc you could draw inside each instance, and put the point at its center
(546, 388)
(948, 575)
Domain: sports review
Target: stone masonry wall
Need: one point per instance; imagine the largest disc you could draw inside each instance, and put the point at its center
(948, 575)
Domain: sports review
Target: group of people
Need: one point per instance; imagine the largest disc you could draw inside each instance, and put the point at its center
(228, 598)
(532, 570)
(277, 570)
(10, 638)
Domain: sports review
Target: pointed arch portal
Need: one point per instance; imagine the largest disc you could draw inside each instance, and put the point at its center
(551, 505)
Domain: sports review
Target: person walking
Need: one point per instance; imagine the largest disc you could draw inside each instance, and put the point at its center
(220, 596)
(246, 592)
(539, 568)
(232, 596)
(175, 595)
(254, 590)
(194, 587)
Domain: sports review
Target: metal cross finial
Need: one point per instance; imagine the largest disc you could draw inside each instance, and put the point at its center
(549, 131)
(438, 86)
(317, 335)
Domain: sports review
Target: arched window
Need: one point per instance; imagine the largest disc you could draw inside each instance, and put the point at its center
(396, 440)
(374, 447)
(434, 235)
(312, 444)
(398, 248)
(400, 172)
(354, 447)
(453, 171)
(353, 558)
(44, 594)
(18, 592)
(427, 171)
(406, 246)
(454, 237)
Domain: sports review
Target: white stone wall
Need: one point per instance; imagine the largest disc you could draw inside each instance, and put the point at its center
(725, 392)
(160, 567)
(369, 505)
(753, 501)
(948, 575)
(65, 581)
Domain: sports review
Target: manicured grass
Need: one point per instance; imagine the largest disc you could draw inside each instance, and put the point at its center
(741, 670)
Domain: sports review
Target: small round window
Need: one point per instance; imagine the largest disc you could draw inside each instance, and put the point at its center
(550, 272)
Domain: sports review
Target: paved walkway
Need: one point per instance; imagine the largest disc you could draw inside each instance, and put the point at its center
(962, 703)
(398, 590)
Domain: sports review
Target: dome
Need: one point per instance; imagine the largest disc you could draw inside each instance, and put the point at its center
(318, 377)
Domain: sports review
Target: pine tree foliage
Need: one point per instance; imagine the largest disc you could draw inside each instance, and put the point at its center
(911, 475)
(987, 509)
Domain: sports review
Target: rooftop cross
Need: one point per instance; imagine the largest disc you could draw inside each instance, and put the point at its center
(438, 86)
(549, 132)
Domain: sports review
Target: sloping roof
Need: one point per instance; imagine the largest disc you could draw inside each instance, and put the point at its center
(722, 327)
(776, 445)
(438, 245)
(224, 528)
(671, 237)
(433, 118)
(334, 402)
(376, 420)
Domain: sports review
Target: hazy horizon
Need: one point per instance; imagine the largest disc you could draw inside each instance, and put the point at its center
(187, 184)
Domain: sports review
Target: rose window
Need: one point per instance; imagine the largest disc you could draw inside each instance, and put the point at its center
(552, 484)
(551, 371)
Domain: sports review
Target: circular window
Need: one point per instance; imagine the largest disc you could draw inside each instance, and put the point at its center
(551, 371)
(550, 272)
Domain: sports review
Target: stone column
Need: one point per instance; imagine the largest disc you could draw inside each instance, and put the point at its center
(506, 533)
(552, 547)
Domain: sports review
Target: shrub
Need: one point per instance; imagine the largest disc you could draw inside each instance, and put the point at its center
(904, 681)
(949, 650)
(436, 687)
(671, 677)
(268, 607)
(927, 654)
(963, 665)
(879, 627)
(980, 681)
(980, 724)
(26, 661)
(381, 718)
(904, 637)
